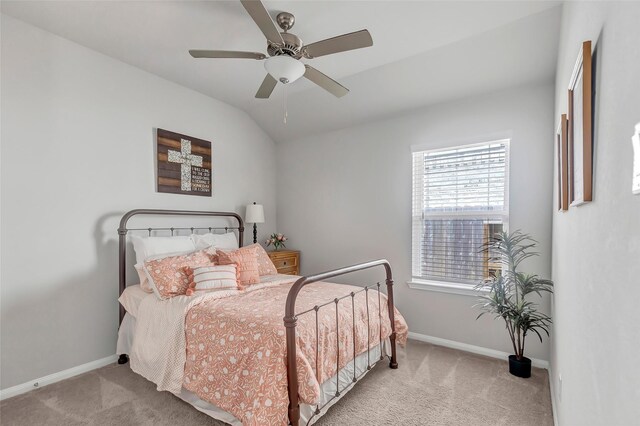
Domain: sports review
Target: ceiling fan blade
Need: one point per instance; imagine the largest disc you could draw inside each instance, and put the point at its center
(226, 54)
(267, 86)
(325, 82)
(261, 17)
(341, 43)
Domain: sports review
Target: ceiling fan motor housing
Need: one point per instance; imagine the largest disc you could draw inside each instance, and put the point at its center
(292, 46)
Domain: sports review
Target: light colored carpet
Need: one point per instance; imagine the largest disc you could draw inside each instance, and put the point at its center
(433, 386)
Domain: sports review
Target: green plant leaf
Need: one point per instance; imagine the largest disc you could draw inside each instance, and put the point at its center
(508, 290)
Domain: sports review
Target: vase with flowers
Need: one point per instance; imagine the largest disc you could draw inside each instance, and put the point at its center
(277, 240)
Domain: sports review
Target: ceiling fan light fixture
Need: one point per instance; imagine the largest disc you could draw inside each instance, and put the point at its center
(284, 68)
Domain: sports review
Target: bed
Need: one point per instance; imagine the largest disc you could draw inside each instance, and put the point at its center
(280, 352)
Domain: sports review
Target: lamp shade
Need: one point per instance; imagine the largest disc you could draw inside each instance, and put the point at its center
(284, 68)
(254, 214)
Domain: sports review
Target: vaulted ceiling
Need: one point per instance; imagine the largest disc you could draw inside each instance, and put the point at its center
(423, 52)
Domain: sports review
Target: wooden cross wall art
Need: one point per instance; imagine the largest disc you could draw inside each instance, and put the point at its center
(184, 164)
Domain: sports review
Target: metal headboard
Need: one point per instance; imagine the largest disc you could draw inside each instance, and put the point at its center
(123, 230)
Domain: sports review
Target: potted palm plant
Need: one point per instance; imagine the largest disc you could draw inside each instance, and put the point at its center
(505, 295)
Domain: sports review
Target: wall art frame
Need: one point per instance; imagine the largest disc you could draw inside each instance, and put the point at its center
(580, 130)
(184, 164)
(562, 153)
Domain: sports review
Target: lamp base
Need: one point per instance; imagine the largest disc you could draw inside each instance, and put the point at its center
(255, 233)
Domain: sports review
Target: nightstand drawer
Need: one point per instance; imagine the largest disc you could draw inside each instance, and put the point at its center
(289, 271)
(285, 262)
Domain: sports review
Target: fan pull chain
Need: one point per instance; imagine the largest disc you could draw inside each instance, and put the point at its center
(285, 104)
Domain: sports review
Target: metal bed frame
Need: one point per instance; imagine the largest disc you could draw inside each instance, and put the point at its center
(291, 316)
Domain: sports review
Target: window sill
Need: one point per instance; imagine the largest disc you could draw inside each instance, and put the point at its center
(445, 287)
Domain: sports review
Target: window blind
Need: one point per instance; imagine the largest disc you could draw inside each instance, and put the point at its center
(460, 199)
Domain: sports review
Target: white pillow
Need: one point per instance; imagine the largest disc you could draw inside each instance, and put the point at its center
(146, 247)
(227, 241)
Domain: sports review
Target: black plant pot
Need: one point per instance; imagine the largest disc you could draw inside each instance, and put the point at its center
(520, 368)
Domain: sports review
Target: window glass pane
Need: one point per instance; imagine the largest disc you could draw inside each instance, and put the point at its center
(464, 179)
(459, 202)
(453, 250)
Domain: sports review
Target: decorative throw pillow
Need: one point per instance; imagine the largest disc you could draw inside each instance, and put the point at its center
(211, 278)
(265, 265)
(166, 275)
(246, 260)
(147, 248)
(142, 273)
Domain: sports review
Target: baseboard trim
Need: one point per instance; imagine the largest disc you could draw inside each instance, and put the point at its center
(55, 377)
(540, 363)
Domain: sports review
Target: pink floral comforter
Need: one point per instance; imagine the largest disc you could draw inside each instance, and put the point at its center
(236, 350)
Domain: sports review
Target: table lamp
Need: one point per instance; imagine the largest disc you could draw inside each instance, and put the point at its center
(255, 215)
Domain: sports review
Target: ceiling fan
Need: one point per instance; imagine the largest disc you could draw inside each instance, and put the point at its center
(285, 51)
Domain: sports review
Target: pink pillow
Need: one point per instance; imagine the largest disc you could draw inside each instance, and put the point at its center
(166, 275)
(246, 260)
(265, 265)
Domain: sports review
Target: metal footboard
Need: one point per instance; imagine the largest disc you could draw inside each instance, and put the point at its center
(291, 319)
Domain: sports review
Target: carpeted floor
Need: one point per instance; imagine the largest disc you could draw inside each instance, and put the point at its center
(433, 386)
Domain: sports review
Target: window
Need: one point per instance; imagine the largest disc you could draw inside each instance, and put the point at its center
(460, 200)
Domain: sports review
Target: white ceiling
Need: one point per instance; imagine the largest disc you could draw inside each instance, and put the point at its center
(423, 53)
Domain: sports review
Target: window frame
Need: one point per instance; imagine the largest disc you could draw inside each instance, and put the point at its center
(452, 286)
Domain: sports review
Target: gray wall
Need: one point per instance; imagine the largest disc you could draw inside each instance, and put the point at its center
(596, 247)
(77, 152)
(345, 197)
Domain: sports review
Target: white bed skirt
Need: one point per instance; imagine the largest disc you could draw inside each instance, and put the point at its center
(327, 389)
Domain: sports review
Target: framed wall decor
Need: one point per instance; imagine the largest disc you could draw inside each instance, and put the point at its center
(559, 163)
(562, 149)
(183, 164)
(581, 129)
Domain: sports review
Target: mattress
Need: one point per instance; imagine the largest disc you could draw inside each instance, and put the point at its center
(328, 389)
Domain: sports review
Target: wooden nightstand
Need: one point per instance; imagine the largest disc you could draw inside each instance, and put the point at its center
(286, 261)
